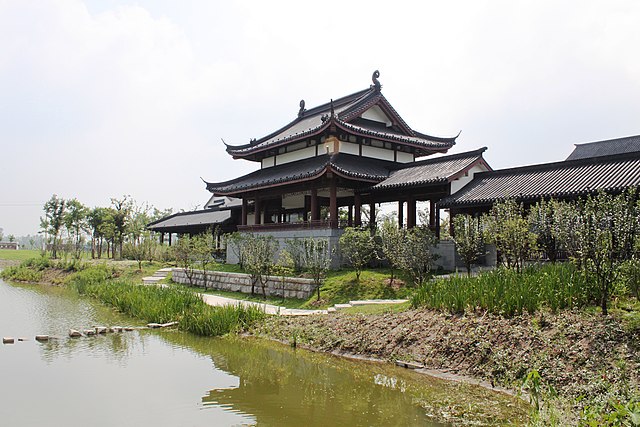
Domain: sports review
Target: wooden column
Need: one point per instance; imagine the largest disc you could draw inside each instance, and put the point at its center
(305, 216)
(257, 212)
(432, 214)
(243, 219)
(438, 223)
(333, 204)
(400, 213)
(372, 216)
(170, 239)
(357, 208)
(314, 205)
(162, 238)
(350, 216)
(411, 212)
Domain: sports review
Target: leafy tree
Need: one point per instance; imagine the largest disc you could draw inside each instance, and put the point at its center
(236, 242)
(295, 251)
(541, 220)
(567, 222)
(203, 246)
(1, 234)
(121, 217)
(317, 260)
(11, 238)
(391, 241)
(184, 254)
(75, 221)
(96, 219)
(259, 252)
(417, 253)
(283, 268)
(468, 239)
(53, 222)
(506, 227)
(358, 247)
(608, 238)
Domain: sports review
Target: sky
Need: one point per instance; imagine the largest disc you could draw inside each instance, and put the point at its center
(105, 98)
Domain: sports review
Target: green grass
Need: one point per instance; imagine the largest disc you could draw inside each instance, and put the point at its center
(377, 308)
(508, 293)
(19, 255)
(341, 286)
(163, 304)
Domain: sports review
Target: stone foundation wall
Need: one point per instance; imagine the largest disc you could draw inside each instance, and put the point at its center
(449, 259)
(239, 282)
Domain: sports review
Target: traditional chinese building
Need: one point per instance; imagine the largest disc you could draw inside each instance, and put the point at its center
(352, 151)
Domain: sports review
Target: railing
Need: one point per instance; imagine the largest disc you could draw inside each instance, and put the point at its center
(302, 225)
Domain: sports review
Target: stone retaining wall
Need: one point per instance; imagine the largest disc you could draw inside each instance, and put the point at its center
(239, 282)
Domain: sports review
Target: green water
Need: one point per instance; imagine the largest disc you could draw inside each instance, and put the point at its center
(168, 378)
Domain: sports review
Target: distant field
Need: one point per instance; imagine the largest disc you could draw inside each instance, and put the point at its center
(19, 255)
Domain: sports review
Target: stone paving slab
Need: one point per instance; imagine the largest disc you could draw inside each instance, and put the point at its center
(378, 301)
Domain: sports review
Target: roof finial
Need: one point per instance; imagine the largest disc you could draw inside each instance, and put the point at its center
(332, 112)
(376, 82)
(302, 109)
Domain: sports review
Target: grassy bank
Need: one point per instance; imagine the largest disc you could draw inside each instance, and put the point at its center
(506, 292)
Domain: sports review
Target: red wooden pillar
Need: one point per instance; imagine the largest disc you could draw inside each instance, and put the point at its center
(333, 204)
(400, 213)
(243, 220)
(357, 207)
(350, 216)
(411, 212)
(314, 205)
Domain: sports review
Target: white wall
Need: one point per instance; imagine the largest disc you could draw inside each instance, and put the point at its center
(349, 148)
(376, 114)
(267, 162)
(305, 153)
(464, 180)
(404, 157)
(377, 153)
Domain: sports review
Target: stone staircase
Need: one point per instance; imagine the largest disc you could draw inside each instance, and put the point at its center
(157, 277)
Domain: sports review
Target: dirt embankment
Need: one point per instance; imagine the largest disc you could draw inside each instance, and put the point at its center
(578, 354)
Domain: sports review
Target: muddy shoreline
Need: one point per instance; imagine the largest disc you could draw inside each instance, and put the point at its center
(581, 355)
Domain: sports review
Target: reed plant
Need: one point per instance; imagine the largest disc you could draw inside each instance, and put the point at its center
(506, 292)
(164, 304)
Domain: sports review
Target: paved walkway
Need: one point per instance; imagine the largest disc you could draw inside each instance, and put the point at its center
(216, 300)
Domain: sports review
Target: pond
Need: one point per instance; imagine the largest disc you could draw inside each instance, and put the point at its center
(169, 378)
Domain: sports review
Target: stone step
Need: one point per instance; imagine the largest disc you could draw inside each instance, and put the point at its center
(378, 301)
(342, 306)
(151, 280)
(331, 310)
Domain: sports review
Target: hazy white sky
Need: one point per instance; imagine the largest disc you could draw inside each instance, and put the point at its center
(101, 98)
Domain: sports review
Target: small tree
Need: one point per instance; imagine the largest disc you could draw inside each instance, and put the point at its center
(417, 253)
(53, 222)
(608, 238)
(358, 247)
(468, 239)
(506, 227)
(203, 247)
(259, 253)
(283, 268)
(317, 260)
(391, 240)
(541, 220)
(183, 252)
(236, 241)
(295, 249)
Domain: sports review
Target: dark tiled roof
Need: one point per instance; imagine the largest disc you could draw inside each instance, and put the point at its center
(344, 164)
(189, 219)
(609, 147)
(566, 179)
(315, 120)
(441, 169)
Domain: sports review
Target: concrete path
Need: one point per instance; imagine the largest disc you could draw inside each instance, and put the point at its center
(216, 300)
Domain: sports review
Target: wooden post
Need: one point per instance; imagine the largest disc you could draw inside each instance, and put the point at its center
(333, 204)
(372, 216)
(162, 238)
(411, 212)
(357, 204)
(314, 205)
(400, 213)
(243, 220)
(170, 239)
(257, 212)
(432, 214)
(305, 216)
(350, 216)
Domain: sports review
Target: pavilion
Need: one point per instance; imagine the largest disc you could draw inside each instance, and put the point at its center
(350, 152)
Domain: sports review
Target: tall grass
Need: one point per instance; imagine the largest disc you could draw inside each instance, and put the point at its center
(509, 293)
(164, 304)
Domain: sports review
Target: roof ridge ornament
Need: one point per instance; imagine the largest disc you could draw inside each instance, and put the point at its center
(302, 109)
(332, 111)
(376, 83)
